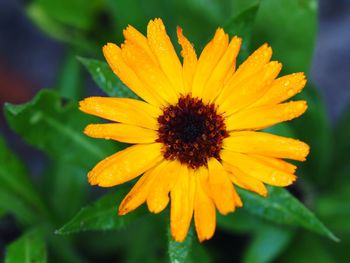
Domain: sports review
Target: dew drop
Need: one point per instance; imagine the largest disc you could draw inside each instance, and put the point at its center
(290, 92)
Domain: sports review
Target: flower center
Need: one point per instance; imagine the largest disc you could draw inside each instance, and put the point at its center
(191, 132)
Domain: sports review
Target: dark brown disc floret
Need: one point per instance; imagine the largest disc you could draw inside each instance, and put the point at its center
(191, 132)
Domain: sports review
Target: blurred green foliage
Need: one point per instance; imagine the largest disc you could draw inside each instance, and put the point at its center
(60, 216)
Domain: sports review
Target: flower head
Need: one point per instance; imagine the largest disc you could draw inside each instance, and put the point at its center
(195, 132)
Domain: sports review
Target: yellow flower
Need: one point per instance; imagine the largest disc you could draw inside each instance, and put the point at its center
(195, 133)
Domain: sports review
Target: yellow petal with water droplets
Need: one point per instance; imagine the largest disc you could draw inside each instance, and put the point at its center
(249, 90)
(257, 169)
(148, 72)
(133, 35)
(277, 163)
(128, 111)
(266, 144)
(204, 210)
(121, 132)
(127, 75)
(245, 181)
(158, 198)
(282, 89)
(182, 202)
(226, 66)
(265, 116)
(138, 194)
(125, 165)
(163, 49)
(221, 189)
(207, 61)
(253, 64)
(189, 60)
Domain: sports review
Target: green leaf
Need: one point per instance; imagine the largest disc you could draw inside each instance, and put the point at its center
(290, 28)
(333, 207)
(75, 13)
(283, 208)
(314, 128)
(101, 215)
(238, 222)
(309, 248)
(17, 193)
(341, 154)
(56, 127)
(106, 79)
(64, 181)
(267, 243)
(70, 84)
(242, 25)
(58, 31)
(179, 251)
(29, 248)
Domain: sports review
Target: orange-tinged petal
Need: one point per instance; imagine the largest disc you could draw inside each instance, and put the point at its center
(249, 90)
(207, 61)
(133, 35)
(245, 181)
(265, 116)
(182, 202)
(148, 72)
(189, 60)
(138, 194)
(121, 132)
(158, 198)
(257, 169)
(125, 165)
(128, 111)
(204, 210)
(221, 189)
(163, 49)
(277, 163)
(253, 64)
(266, 144)
(126, 74)
(226, 66)
(282, 89)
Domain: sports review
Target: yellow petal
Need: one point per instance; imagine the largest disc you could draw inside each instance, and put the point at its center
(189, 60)
(221, 189)
(158, 198)
(204, 211)
(282, 89)
(125, 165)
(249, 90)
(258, 169)
(253, 64)
(162, 47)
(128, 111)
(148, 72)
(126, 74)
(277, 163)
(207, 61)
(133, 35)
(121, 132)
(138, 194)
(266, 144)
(226, 66)
(265, 116)
(245, 181)
(182, 202)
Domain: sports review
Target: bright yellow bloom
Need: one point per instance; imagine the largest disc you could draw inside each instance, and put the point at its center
(195, 133)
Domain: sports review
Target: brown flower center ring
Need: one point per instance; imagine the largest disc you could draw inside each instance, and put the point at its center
(191, 132)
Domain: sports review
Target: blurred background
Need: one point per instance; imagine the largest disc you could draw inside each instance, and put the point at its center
(37, 50)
